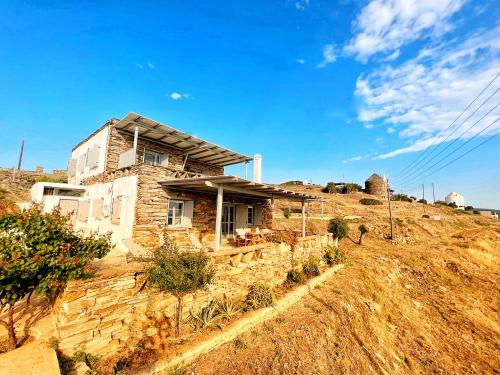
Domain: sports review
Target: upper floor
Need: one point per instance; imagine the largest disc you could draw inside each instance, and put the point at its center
(136, 140)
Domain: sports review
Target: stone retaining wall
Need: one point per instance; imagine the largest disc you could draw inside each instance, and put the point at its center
(107, 313)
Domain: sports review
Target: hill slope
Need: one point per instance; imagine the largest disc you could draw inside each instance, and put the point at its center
(426, 302)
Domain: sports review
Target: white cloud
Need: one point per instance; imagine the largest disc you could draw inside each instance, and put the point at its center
(385, 25)
(329, 55)
(368, 126)
(424, 95)
(301, 4)
(301, 61)
(178, 96)
(151, 65)
(140, 66)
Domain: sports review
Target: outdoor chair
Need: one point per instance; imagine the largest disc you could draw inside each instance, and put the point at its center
(241, 238)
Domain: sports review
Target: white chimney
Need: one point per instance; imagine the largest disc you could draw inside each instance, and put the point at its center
(257, 168)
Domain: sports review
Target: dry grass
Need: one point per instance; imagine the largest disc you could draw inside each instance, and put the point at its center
(424, 303)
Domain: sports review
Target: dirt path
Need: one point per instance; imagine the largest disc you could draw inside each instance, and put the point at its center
(431, 306)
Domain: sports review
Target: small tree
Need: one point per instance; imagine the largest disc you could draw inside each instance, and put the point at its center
(363, 230)
(39, 253)
(330, 188)
(339, 229)
(180, 273)
(469, 208)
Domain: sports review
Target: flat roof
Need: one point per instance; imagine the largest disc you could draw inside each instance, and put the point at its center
(237, 186)
(60, 185)
(196, 148)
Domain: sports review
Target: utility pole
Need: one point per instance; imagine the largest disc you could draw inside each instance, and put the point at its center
(19, 163)
(433, 194)
(390, 210)
(423, 196)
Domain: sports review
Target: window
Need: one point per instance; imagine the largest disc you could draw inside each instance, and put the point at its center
(152, 158)
(250, 215)
(48, 190)
(175, 212)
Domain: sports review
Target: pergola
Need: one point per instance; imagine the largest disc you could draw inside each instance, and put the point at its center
(244, 188)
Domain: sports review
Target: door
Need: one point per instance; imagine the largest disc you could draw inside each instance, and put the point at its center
(227, 221)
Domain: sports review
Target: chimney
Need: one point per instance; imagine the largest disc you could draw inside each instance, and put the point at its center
(257, 169)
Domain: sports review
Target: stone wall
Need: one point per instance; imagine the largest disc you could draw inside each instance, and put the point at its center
(112, 311)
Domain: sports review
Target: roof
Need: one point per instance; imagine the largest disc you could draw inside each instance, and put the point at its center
(196, 148)
(60, 185)
(375, 176)
(237, 186)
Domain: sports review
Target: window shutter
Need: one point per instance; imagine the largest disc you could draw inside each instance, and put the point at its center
(81, 163)
(257, 214)
(187, 220)
(164, 160)
(97, 208)
(83, 211)
(72, 167)
(117, 210)
(93, 159)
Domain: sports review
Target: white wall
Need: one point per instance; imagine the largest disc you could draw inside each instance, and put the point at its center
(100, 139)
(125, 187)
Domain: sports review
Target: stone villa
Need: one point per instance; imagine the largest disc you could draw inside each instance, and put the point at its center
(139, 178)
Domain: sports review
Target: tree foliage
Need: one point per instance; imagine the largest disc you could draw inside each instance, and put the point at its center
(370, 202)
(39, 253)
(338, 228)
(179, 273)
(330, 188)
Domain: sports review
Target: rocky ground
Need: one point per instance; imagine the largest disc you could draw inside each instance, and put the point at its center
(427, 302)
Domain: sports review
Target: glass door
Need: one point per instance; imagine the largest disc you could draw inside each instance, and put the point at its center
(227, 221)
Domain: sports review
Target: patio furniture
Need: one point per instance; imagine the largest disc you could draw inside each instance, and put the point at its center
(241, 238)
(256, 237)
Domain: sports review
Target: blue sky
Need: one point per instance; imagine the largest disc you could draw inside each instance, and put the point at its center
(323, 90)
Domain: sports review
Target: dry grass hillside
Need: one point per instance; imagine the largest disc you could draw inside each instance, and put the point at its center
(426, 302)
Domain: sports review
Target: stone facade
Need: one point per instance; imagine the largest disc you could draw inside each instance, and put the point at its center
(110, 312)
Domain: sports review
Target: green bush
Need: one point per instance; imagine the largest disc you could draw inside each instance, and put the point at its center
(39, 253)
(476, 212)
(370, 202)
(330, 188)
(338, 228)
(311, 267)
(401, 198)
(179, 273)
(287, 212)
(440, 203)
(295, 276)
(260, 295)
(452, 205)
(333, 255)
(351, 188)
(424, 201)
(87, 358)
(227, 307)
(469, 208)
(207, 317)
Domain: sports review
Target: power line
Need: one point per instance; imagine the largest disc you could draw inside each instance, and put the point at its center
(416, 172)
(449, 126)
(461, 156)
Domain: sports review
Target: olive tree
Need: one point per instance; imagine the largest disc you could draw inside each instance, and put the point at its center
(179, 273)
(339, 229)
(363, 230)
(39, 253)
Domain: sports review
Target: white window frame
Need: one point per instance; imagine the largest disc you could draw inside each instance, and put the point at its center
(250, 222)
(174, 216)
(157, 156)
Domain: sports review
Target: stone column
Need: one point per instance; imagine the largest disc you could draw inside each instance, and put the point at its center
(218, 217)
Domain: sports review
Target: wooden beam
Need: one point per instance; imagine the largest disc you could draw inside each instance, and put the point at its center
(136, 136)
(218, 217)
(303, 218)
(234, 189)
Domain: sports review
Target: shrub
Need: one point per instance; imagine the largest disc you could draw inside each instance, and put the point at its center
(295, 276)
(476, 212)
(311, 267)
(333, 255)
(425, 216)
(207, 316)
(330, 188)
(413, 198)
(422, 201)
(370, 202)
(338, 228)
(179, 273)
(87, 358)
(469, 208)
(452, 205)
(401, 198)
(440, 202)
(287, 212)
(363, 230)
(260, 295)
(39, 253)
(351, 188)
(227, 307)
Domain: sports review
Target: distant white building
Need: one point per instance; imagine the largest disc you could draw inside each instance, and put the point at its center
(457, 199)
